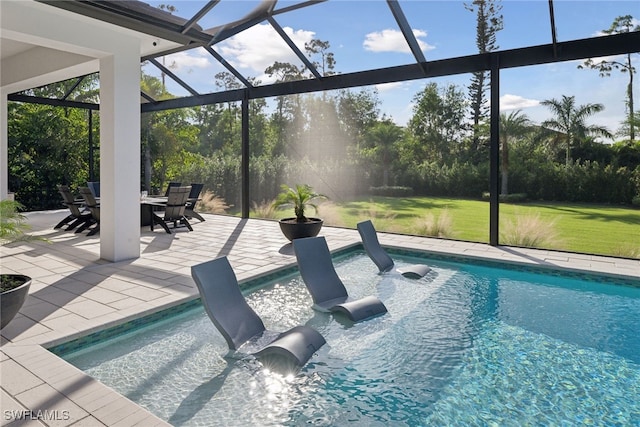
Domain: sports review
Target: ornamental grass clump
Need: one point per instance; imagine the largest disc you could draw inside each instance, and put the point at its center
(434, 226)
(264, 209)
(213, 204)
(627, 251)
(529, 231)
(383, 218)
(331, 215)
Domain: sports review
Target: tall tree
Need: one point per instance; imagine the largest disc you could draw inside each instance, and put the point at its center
(357, 112)
(171, 9)
(327, 61)
(287, 106)
(165, 137)
(512, 125)
(570, 122)
(622, 24)
(227, 81)
(489, 21)
(382, 148)
(48, 145)
(437, 123)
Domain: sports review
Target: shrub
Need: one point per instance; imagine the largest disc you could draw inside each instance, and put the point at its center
(456, 180)
(507, 198)
(391, 191)
(636, 200)
(513, 198)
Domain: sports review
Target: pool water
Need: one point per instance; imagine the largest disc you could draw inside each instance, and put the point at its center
(466, 345)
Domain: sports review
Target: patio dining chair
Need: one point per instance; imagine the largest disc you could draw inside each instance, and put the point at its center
(380, 257)
(94, 186)
(79, 215)
(192, 201)
(93, 206)
(169, 186)
(173, 212)
(327, 290)
(242, 328)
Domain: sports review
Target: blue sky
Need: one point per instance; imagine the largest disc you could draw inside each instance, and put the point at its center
(363, 35)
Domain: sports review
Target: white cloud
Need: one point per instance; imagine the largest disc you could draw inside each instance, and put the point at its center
(260, 46)
(514, 102)
(188, 60)
(634, 23)
(384, 87)
(391, 40)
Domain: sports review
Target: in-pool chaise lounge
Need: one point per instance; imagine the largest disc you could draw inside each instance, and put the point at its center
(380, 257)
(242, 328)
(324, 285)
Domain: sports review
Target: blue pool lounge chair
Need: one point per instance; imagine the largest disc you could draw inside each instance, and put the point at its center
(324, 285)
(380, 257)
(240, 325)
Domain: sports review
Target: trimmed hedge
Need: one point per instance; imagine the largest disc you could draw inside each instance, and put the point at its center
(507, 198)
(391, 191)
(341, 179)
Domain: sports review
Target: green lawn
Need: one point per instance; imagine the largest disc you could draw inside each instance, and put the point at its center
(598, 229)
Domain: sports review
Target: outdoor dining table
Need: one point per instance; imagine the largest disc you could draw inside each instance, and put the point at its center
(147, 205)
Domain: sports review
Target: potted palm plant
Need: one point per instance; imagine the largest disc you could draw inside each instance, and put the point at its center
(14, 288)
(300, 198)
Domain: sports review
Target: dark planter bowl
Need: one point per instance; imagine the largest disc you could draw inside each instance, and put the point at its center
(297, 230)
(13, 299)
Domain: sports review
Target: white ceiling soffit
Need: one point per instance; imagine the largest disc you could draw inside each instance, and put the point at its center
(40, 44)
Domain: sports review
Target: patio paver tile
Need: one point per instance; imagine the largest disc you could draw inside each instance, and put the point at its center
(14, 414)
(22, 327)
(42, 311)
(103, 296)
(145, 294)
(89, 309)
(88, 421)
(60, 411)
(115, 411)
(15, 378)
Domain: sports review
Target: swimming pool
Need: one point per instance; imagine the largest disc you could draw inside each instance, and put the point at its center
(468, 344)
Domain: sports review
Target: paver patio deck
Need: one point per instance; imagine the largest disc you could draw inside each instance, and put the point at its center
(74, 293)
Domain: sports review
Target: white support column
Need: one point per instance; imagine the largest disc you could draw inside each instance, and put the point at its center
(120, 154)
(4, 146)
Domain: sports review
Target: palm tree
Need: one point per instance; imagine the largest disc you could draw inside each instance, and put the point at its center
(512, 125)
(383, 137)
(570, 121)
(300, 198)
(622, 24)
